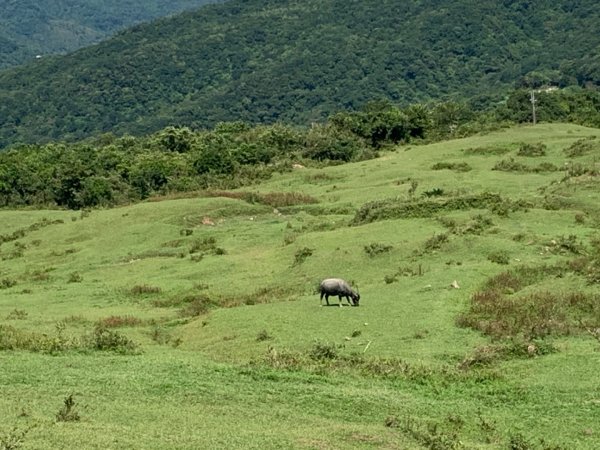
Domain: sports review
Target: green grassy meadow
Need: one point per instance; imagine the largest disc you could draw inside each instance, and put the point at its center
(227, 346)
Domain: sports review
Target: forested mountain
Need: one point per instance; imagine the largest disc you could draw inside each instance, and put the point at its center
(297, 61)
(29, 28)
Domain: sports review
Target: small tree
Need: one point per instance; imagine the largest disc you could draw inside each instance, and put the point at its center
(175, 139)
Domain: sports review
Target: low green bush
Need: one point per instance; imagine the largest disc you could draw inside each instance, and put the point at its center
(456, 166)
(402, 209)
(376, 248)
(104, 339)
(532, 150)
(582, 147)
(499, 257)
(301, 255)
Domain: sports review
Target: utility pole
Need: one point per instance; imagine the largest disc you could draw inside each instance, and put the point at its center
(533, 100)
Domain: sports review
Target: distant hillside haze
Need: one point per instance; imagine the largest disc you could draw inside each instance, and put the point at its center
(264, 61)
(30, 28)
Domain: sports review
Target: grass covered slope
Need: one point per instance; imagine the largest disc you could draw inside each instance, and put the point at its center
(194, 322)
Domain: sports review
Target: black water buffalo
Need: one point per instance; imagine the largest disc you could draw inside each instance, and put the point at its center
(340, 288)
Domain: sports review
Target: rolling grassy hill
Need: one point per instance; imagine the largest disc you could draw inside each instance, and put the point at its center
(193, 322)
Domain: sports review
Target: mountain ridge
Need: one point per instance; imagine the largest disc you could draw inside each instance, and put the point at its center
(263, 62)
(29, 30)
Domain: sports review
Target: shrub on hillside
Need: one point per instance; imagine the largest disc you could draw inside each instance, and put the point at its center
(214, 160)
(510, 165)
(104, 339)
(144, 289)
(500, 310)
(376, 248)
(13, 439)
(17, 314)
(118, 321)
(478, 224)
(323, 142)
(395, 208)
(435, 192)
(582, 147)
(301, 255)
(574, 170)
(207, 244)
(532, 150)
(196, 305)
(75, 277)
(499, 257)
(16, 339)
(457, 166)
(487, 151)
(7, 283)
(274, 199)
(263, 336)
(175, 139)
(435, 242)
(324, 351)
(566, 245)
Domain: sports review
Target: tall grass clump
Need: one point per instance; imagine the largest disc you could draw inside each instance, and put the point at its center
(532, 150)
(118, 322)
(487, 151)
(12, 338)
(68, 412)
(396, 208)
(404, 271)
(144, 289)
(457, 166)
(575, 170)
(197, 306)
(75, 277)
(582, 147)
(499, 257)
(324, 351)
(207, 245)
(503, 309)
(6, 283)
(376, 248)
(101, 338)
(301, 255)
(13, 439)
(274, 199)
(17, 314)
(328, 357)
(433, 435)
(510, 165)
(435, 242)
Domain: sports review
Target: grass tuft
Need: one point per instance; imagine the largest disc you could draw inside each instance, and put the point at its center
(118, 322)
(68, 412)
(144, 289)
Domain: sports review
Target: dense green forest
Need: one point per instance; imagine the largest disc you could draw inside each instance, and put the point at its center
(29, 28)
(108, 170)
(298, 62)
